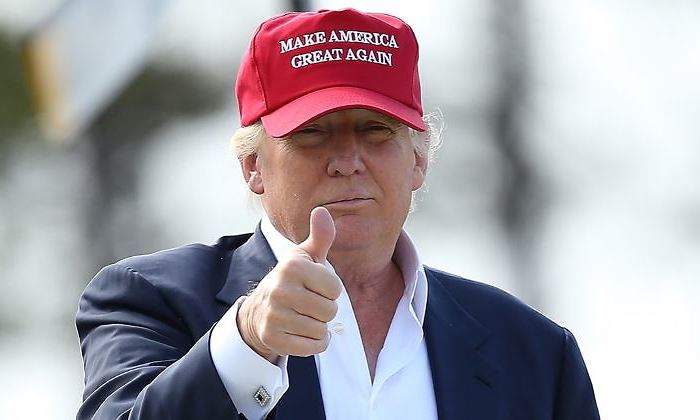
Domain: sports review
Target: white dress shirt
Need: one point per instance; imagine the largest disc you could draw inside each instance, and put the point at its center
(402, 386)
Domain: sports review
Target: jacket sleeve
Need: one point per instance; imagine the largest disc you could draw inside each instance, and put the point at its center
(575, 399)
(140, 360)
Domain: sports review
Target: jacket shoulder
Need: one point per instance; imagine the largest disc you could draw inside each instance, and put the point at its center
(496, 309)
(186, 266)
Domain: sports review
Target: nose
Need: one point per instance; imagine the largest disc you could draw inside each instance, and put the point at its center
(346, 158)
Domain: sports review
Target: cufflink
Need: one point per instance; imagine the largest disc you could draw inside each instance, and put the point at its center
(262, 396)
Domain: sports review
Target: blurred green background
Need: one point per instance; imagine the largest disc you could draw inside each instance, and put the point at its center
(568, 173)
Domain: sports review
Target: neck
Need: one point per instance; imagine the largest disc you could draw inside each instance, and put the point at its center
(367, 273)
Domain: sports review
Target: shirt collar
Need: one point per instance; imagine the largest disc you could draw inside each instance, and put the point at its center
(405, 256)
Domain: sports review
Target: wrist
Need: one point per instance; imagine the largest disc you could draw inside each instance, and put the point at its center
(245, 328)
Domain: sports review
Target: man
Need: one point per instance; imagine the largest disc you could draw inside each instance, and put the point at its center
(325, 311)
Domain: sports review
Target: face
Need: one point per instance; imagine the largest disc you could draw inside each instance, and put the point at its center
(359, 164)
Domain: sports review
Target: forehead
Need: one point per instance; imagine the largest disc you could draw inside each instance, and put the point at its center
(354, 115)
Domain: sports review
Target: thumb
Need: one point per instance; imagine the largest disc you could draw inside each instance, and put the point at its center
(321, 234)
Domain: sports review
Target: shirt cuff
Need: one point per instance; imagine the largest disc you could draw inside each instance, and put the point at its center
(243, 371)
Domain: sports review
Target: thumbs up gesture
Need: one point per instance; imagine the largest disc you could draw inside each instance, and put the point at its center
(288, 312)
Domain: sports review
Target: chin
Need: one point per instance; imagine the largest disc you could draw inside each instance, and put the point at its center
(354, 231)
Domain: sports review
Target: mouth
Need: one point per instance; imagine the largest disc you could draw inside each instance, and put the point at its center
(348, 201)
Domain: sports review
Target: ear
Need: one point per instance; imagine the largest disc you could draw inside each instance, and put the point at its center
(251, 173)
(419, 170)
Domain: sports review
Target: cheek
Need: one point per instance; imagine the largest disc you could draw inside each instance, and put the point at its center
(294, 178)
(400, 164)
(396, 178)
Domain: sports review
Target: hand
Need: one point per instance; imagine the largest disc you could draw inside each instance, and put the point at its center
(288, 312)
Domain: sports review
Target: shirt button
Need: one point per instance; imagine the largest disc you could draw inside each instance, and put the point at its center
(336, 328)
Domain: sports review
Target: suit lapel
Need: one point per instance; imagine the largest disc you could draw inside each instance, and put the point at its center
(466, 385)
(250, 262)
(303, 399)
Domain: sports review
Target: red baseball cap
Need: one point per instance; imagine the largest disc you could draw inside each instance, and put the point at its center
(300, 66)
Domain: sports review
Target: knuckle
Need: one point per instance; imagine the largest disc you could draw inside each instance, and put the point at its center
(329, 311)
(300, 350)
(278, 296)
(323, 344)
(333, 308)
(293, 265)
(324, 316)
(319, 331)
(291, 269)
(284, 270)
(336, 288)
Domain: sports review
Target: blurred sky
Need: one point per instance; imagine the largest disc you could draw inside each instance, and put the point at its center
(610, 126)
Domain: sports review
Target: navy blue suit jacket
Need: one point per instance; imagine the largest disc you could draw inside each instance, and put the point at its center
(144, 325)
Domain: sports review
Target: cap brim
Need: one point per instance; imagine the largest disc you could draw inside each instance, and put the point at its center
(290, 116)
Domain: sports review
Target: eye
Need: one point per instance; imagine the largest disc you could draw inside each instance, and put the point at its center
(307, 130)
(378, 132)
(308, 135)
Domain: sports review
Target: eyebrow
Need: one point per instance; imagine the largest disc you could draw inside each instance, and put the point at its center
(385, 119)
(374, 117)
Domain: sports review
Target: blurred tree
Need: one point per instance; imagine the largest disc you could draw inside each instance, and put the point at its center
(520, 203)
(15, 104)
(118, 138)
(298, 5)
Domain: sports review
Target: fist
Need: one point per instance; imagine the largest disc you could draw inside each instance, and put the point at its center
(288, 312)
